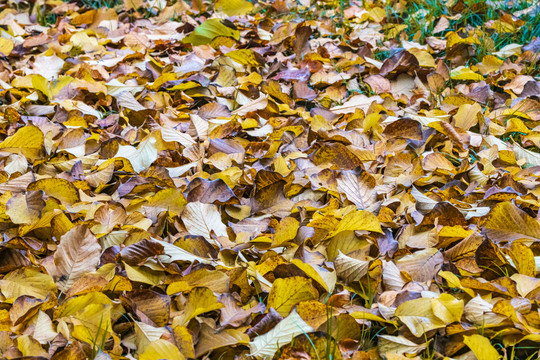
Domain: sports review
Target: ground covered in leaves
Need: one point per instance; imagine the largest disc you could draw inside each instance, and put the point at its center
(287, 179)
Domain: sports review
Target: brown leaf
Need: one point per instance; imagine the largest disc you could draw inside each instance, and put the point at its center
(337, 155)
(77, 254)
(301, 47)
(136, 254)
(151, 307)
(400, 61)
(508, 223)
(210, 192)
(264, 323)
(405, 128)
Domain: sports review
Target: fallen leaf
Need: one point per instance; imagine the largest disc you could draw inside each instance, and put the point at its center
(481, 347)
(288, 292)
(283, 333)
(77, 254)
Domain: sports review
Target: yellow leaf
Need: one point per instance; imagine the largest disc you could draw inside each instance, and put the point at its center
(184, 86)
(507, 223)
(92, 323)
(394, 30)
(466, 117)
(364, 315)
(424, 58)
(453, 282)
(222, 41)
(314, 313)
(79, 303)
(5, 320)
(84, 42)
(27, 140)
(489, 64)
(161, 349)
(6, 45)
(215, 280)
(58, 85)
(287, 292)
(466, 74)
(453, 39)
(25, 208)
(234, 7)
(184, 341)
(481, 347)
(143, 274)
(456, 231)
(523, 259)
(41, 84)
(44, 221)
(201, 300)
(502, 27)
(516, 125)
(169, 199)
(29, 347)
(60, 189)
(325, 278)
(447, 308)
(27, 281)
(457, 100)
(377, 14)
(244, 57)
(118, 283)
(358, 220)
(418, 316)
(210, 29)
(288, 227)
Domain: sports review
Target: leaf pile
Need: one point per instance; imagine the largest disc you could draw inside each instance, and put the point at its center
(288, 180)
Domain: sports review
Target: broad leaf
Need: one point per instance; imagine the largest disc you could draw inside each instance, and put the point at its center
(77, 254)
